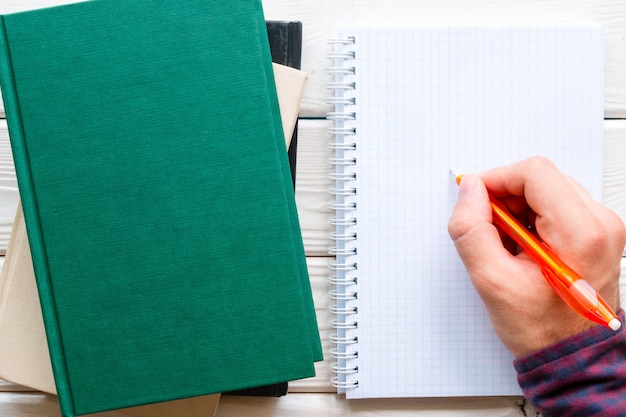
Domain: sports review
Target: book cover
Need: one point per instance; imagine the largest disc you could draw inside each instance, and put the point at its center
(24, 357)
(157, 200)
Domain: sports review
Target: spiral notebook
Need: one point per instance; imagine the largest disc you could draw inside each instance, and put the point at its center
(410, 104)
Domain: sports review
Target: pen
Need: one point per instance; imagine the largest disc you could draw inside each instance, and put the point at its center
(570, 286)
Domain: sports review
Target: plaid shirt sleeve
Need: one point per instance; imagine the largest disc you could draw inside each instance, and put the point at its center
(584, 375)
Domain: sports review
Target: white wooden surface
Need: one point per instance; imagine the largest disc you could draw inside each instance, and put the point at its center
(320, 18)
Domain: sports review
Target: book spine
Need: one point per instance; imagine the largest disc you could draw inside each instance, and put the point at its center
(343, 276)
(29, 203)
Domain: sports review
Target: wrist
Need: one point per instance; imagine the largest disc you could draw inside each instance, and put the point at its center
(594, 333)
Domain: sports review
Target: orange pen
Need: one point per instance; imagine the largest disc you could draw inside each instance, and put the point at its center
(570, 286)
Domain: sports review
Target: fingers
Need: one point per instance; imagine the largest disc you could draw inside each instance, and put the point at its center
(538, 181)
(579, 229)
(562, 209)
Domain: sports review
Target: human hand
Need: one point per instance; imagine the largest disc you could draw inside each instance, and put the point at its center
(525, 311)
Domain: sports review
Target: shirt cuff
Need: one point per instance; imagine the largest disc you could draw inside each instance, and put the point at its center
(566, 347)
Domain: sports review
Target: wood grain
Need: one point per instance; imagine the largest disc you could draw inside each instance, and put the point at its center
(321, 18)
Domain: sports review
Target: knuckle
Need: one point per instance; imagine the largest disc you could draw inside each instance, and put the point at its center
(458, 227)
(540, 163)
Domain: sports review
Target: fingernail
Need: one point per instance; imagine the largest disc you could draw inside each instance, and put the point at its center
(466, 187)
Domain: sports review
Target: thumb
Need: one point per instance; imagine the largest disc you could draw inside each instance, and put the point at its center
(472, 208)
(470, 226)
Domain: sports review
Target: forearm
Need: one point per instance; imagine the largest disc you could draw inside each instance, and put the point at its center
(584, 375)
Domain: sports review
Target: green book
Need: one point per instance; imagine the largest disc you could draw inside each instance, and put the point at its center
(158, 200)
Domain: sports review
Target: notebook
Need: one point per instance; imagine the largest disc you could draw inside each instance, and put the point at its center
(411, 104)
(137, 131)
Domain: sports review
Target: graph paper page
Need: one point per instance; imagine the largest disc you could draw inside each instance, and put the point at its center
(432, 99)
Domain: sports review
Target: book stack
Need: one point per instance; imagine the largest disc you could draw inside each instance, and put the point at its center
(158, 200)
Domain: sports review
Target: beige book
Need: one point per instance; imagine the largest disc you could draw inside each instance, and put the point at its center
(290, 85)
(24, 357)
(23, 352)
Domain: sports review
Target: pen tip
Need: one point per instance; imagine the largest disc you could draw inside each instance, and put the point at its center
(615, 324)
(456, 176)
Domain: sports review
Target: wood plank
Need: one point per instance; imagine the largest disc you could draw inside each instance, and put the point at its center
(305, 398)
(301, 401)
(18, 6)
(313, 184)
(622, 284)
(311, 188)
(301, 405)
(318, 274)
(311, 397)
(40, 405)
(615, 166)
(332, 405)
(8, 188)
(321, 19)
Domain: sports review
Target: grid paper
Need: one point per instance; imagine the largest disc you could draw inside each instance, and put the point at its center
(432, 99)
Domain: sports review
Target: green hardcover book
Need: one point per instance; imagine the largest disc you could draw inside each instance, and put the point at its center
(158, 200)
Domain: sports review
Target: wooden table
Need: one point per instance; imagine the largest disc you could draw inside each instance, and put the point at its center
(315, 396)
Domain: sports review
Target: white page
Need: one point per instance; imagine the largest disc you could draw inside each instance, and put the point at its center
(432, 99)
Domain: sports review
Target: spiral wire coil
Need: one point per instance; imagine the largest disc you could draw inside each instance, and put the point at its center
(343, 276)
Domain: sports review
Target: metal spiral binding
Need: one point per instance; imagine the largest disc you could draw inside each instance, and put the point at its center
(344, 236)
